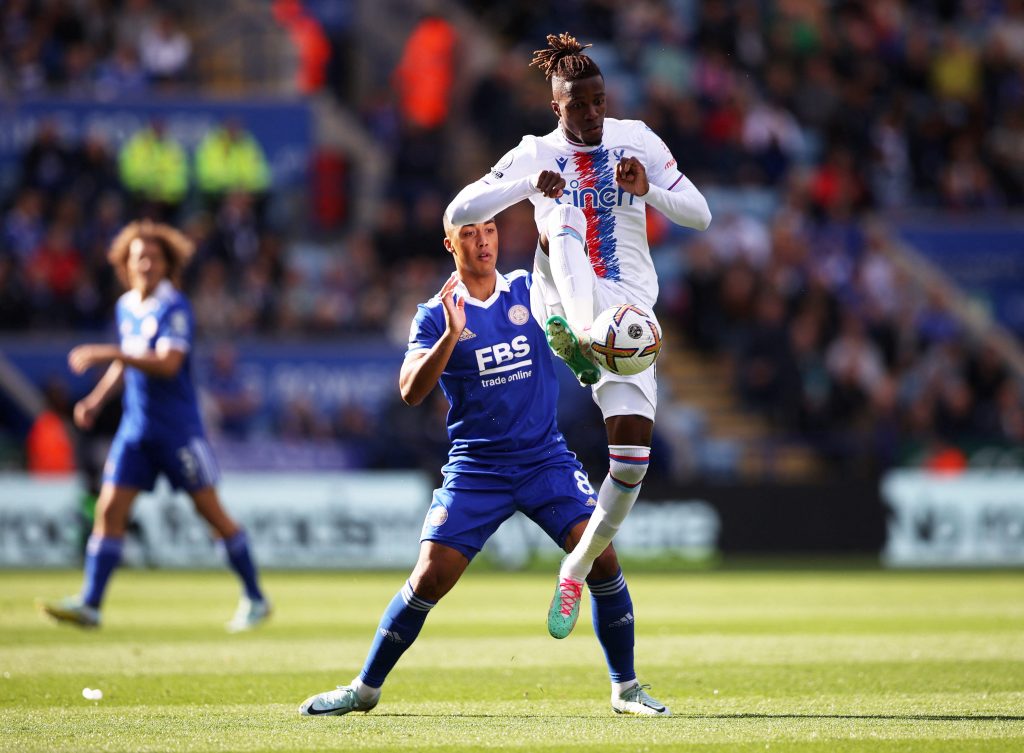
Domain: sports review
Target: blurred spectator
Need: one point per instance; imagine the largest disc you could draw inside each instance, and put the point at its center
(47, 164)
(426, 72)
(15, 305)
(93, 172)
(23, 225)
(165, 50)
(48, 447)
(229, 159)
(54, 271)
(765, 356)
(154, 170)
(233, 404)
(309, 41)
(121, 75)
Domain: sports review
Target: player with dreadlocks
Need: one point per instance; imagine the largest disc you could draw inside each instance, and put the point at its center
(589, 181)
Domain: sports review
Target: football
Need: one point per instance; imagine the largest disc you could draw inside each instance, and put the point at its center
(625, 339)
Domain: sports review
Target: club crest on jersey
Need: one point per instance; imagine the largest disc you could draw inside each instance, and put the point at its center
(519, 314)
(561, 162)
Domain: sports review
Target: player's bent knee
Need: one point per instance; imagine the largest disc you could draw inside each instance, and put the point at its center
(433, 582)
(566, 219)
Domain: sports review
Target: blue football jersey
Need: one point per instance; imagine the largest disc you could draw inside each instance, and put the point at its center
(155, 407)
(500, 380)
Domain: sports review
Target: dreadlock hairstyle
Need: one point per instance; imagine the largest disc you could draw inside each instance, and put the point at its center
(563, 59)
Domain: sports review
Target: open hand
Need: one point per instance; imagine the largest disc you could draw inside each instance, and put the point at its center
(454, 311)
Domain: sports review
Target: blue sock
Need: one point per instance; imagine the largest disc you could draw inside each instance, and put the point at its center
(398, 628)
(236, 549)
(612, 610)
(102, 555)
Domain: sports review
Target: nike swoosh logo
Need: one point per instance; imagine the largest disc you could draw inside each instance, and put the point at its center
(314, 711)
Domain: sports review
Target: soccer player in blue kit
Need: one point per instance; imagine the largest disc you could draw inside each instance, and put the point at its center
(478, 340)
(160, 431)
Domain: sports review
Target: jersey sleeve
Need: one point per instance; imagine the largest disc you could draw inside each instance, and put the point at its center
(508, 182)
(175, 329)
(424, 332)
(662, 170)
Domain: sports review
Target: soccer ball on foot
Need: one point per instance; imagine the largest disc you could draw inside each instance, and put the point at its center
(625, 339)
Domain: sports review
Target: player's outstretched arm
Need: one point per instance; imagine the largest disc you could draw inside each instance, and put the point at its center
(682, 203)
(422, 370)
(164, 362)
(483, 200)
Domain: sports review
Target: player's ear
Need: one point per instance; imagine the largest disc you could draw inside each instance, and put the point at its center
(448, 246)
(556, 109)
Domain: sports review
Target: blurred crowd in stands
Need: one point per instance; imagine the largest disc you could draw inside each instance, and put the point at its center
(800, 120)
(99, 48)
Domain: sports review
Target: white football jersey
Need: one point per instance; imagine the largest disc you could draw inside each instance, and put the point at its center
(616, 219)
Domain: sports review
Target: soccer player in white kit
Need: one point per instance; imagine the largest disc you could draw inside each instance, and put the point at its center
(590, 181)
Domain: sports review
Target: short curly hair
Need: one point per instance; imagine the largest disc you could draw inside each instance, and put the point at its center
(177, 248)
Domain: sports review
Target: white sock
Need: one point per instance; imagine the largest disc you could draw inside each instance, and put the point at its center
(627, 466)
(570, 266)
(619, 687)
(365, 692)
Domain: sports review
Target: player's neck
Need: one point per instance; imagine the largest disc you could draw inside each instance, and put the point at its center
(575, 141)
(479, 287)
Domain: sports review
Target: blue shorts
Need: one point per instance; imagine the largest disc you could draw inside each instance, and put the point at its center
(186, 461)
(471, 504)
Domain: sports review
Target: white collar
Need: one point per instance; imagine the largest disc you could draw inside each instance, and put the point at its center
(162, 292)
(560, 135)
(500, 286)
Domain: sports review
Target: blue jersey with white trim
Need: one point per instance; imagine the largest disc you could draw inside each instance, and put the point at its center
(500, 379)
(155, 407)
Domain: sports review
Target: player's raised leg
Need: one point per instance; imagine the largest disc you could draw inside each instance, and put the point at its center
(102, 556)
(438, 569)
(573, 276)
(627, 466)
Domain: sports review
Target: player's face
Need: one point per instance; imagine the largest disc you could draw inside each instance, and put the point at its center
(146, 265)
(580, 107)
(475, 248)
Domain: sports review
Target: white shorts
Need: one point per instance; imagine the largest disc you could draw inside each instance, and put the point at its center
(615, 395)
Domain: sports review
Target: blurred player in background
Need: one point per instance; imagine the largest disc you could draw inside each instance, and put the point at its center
(478, 340)
(593, 255)
(160, 430)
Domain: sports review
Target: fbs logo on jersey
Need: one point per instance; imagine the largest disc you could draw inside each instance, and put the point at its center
(495, 359)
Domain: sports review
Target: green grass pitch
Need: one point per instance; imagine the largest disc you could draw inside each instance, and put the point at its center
(772, 660)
